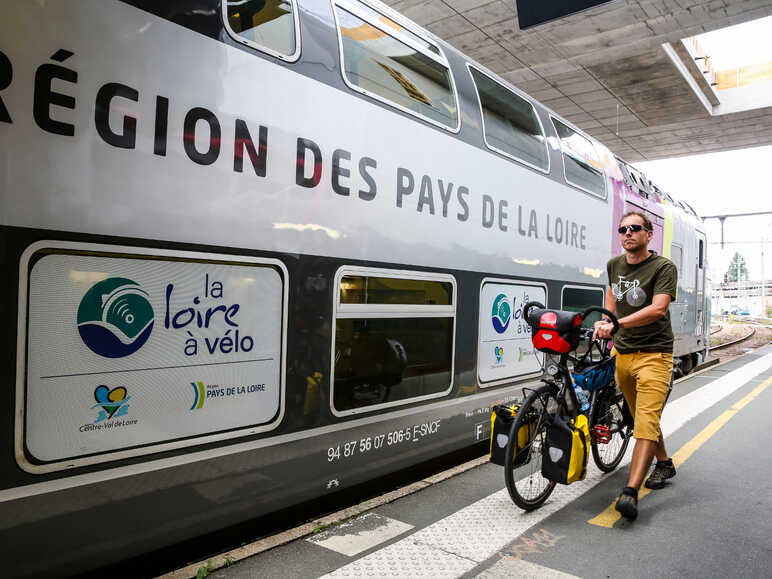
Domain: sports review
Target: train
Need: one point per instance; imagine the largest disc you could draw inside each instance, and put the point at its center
(260, 252)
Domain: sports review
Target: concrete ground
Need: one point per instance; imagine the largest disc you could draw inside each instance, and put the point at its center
(711, 520)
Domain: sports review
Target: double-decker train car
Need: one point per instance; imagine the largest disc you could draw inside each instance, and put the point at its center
(259, 251)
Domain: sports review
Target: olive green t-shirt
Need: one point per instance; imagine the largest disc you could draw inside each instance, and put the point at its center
(634, 286)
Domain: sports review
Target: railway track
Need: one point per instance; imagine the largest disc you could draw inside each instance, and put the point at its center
(732, 342)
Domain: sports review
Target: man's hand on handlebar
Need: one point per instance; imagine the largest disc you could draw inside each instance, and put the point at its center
(603, 330)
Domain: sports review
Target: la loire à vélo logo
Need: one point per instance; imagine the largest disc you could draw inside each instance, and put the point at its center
(115, 317)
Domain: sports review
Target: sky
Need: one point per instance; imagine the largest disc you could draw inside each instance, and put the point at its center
(725, 183)
(740, 45)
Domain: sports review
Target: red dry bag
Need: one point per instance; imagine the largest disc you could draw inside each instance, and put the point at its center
(554, 331)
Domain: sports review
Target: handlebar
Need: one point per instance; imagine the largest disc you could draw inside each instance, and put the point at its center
(611, 315)
(527, 309)
(538, 305)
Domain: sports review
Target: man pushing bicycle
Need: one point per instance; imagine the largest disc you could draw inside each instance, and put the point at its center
(641, 287)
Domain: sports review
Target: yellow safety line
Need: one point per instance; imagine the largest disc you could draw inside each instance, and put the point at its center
(610, 515)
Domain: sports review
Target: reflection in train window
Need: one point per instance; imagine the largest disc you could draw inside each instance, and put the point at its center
(378, 17)
(394, 336)
(268, 25)
(510, 124)
(383, 60)
(383, 290)
(389, 360)
(578, 299)
(580, 161)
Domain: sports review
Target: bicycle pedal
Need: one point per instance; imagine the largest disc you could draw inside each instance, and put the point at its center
(601, 434)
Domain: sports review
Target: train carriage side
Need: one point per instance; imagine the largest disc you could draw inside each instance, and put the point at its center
(247, 249)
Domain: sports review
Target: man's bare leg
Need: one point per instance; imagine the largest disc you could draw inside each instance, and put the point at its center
(660, 451)
(643, 452)
(639, 465)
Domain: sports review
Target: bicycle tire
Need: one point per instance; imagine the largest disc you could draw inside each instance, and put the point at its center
(530, 491)
(606, 410)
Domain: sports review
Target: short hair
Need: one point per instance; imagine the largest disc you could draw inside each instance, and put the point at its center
(646, 221)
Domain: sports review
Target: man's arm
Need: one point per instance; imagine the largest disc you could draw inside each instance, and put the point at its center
(610, 301)
(649, 314)
(610, 304)
(643, 317)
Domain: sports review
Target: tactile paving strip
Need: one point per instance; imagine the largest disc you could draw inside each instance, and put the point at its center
(406, 558)
(456, 544)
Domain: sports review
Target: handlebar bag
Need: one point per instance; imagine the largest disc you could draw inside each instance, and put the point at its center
(566, 449)
(501, 424)
(555, 331)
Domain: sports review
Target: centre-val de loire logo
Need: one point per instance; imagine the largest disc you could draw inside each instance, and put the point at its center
(111, 403)
(115, 317)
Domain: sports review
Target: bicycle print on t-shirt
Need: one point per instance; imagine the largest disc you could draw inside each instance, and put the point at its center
(630, 290)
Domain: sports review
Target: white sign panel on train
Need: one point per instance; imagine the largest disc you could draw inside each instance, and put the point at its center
(505, 349)
(126, 352)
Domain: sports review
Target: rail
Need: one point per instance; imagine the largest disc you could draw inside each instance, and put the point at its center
(738, 340)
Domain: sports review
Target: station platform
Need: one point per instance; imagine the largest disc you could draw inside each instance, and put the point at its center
(711, 520)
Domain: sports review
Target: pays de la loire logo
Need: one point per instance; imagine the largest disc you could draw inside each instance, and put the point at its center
(499, 352)
(115, 317)
(110, 402)
(199, 395)
(501, 314)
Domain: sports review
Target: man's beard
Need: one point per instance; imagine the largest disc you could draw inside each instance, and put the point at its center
(635, 247)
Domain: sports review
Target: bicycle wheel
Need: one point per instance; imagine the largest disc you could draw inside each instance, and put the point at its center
(607, 411)
(525, 483)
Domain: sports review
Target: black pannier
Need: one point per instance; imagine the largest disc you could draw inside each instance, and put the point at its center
(502, 417)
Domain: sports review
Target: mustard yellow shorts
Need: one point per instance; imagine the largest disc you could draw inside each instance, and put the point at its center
(644, 380)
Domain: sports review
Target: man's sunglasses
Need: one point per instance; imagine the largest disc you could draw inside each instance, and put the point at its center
(634, 228)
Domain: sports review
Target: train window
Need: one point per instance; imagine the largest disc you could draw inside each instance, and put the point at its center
(505, 351)
(579, 298)
(373, 14)
(394, 334)
(383, 290)
(387, 62)
(269, 26)
(510, 123)
(701, 254)
(581, 163)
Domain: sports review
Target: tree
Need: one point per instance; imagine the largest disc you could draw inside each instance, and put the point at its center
(737, 264)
